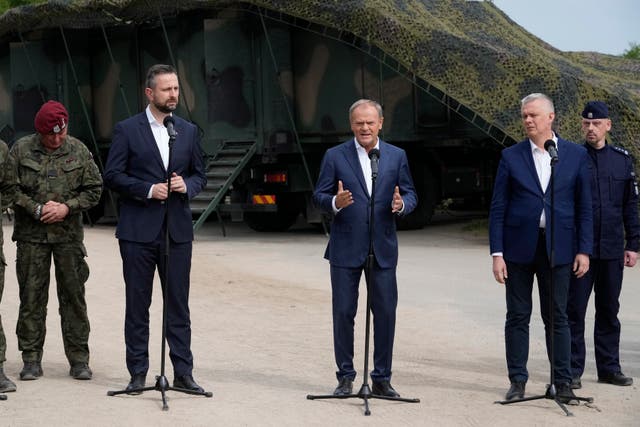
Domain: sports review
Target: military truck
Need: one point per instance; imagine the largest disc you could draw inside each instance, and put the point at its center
(269, 85)
(269, 102)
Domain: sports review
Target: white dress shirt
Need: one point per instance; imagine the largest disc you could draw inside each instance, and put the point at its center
(161, 137)
(365, 165)
(542, 161)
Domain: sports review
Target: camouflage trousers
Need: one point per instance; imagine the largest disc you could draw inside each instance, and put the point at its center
(3, 340)
(33, 266)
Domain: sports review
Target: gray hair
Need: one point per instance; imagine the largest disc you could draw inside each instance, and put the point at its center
(156, 69)
(535, 96)
(360, 102)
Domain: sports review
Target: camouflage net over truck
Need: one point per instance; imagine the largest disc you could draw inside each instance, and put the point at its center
(469, 50)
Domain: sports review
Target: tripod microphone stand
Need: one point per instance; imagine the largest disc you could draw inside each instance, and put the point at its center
(551, 392)
(365, 391)
(162, 384)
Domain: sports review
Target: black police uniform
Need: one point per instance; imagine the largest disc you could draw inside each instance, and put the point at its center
(614, 191)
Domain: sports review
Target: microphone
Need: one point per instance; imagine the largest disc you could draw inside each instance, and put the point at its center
(550, 146)
(374, 155)
(169, 123)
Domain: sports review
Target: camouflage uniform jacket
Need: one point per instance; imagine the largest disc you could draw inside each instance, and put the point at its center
(7, 184)
(67, 175)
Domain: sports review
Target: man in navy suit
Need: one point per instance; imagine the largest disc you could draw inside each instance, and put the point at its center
(137, 169)
(344, 190)
(520, 225)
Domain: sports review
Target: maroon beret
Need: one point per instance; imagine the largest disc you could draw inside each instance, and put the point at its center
(52, 117)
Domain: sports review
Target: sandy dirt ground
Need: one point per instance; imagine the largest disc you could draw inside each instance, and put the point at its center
(261, 319)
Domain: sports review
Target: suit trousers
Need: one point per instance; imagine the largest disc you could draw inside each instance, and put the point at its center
(383, 291)
(519, 287)
(139, 262)
(605, 279)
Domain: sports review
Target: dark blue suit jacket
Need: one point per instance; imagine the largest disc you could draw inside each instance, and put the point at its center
(518, 201)
(134, 164)
(349, 242)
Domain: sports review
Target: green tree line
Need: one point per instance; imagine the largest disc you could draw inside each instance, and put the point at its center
(633, 52)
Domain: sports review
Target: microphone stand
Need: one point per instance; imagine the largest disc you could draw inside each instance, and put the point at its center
(365, 391)
(551, 389)
(162, 384)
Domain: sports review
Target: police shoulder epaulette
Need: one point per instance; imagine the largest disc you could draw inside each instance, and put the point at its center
(620, 150)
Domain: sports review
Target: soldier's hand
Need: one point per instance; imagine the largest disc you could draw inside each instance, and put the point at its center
(159, 191)
(343, 197)
(630, 258)
(398, 203)
(53, 212)
(177, 184)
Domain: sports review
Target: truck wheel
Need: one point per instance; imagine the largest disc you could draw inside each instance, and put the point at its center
(415, 220)
(422, 214)
(285, 217)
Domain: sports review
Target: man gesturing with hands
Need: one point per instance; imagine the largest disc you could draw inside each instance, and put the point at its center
(344, 190)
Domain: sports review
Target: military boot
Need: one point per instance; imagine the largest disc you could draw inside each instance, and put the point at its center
(5, 383)
(81, 371)
(31, 371)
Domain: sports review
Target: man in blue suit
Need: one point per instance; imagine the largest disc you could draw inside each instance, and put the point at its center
(137, 169)
(344, 190)
(520, 225)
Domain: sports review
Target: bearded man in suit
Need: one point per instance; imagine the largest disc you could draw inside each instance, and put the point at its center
(139, 168)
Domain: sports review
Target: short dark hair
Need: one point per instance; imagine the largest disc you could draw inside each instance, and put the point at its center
(156, 69)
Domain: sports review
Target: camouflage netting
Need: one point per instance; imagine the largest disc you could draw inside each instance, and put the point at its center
(469, 50)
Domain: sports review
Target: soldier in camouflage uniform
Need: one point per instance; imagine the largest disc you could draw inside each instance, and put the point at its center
(7, 190)
(57, 180)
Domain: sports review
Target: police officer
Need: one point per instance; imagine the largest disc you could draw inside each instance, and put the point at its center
(57, 181)
(615, 211)
(7, 190)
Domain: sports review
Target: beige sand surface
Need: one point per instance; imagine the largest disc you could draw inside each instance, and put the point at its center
(261, 320)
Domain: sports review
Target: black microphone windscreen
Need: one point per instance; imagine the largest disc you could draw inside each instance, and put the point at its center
(374, 153)
(549, 143)
(167, 120)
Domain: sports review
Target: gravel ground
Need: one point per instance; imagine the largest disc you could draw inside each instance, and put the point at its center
(261, 319)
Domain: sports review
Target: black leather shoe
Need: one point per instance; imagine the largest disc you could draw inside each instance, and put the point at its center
(345, 387)
(576, 383)
(516, 391)
(186, 382)
(565, 395)
(383, 388)
(136, 384)
(617, 378)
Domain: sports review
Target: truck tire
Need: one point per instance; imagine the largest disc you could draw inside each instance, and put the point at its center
(282, 220)
(422, 214)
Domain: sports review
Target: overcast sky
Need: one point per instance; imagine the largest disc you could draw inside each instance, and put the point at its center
(605, 26)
